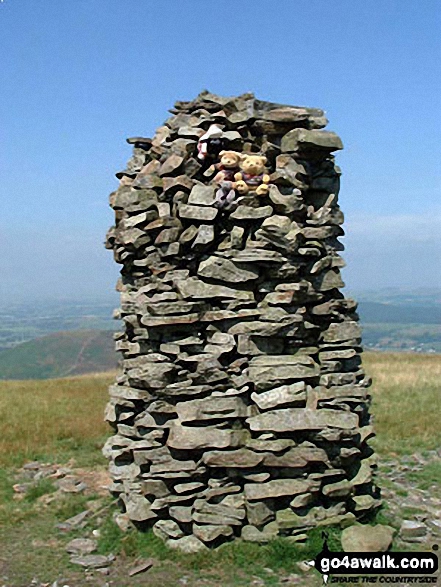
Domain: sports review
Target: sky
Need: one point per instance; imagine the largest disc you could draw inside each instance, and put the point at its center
(79, 76)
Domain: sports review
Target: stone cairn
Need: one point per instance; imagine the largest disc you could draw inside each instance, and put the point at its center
(242, 407)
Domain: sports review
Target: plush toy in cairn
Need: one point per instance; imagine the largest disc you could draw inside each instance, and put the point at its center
(252, 176)
(227, 168)
(210, 144)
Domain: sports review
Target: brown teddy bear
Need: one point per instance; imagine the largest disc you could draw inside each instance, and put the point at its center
(252, 177)
(227, 168)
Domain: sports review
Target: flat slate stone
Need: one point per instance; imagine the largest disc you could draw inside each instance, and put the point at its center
(285, 394)
(258, 255)
(250, 345)
(196, 289)
(300, 139)
(154, 487)
(183, 389)
(341, 331)
(212, 408)
(328, 280)
(219, 315)
(337, 354)
(138, 508)
(256, 328)
(181, 513)
(154, 374)
(365, 502)
(269, 370)
(275, 228)
(260, 512)
(81, 546)
(364, 538)
(143, 140)
(247, 213)
(188, 235)
(202, 213)
(209, 532)
(289, 171)
(170, 165)
(296, 457)
(184, 488)
(286, 114)
(91, 561)
(166, 529)
(220, 509)
(225, 270)
(301, 501)
(205, 236)
(270, 445)
(339, 489)
(190, 438)
(187, 544)
(163, 503)
(201, 195)
(293, 419)
(142, 567)
(287, 519)
(364, 474)
(167, 308)
(252, 534)
(286, 204)
(233, 458)
(123, 392)
(410, 529)
(277, 488)
(276, 360)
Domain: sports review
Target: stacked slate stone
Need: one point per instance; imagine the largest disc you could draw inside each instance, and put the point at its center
(242, 406)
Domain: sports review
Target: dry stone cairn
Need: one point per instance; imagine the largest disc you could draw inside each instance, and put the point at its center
(242, 407)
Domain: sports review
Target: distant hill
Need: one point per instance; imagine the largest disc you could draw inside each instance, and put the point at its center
(60, 354)
(401, 326)
(390, 322)
(24, 321)
(380, 312)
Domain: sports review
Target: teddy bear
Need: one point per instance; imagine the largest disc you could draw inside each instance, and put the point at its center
(252, 176)
(227, 168)
(210, 144)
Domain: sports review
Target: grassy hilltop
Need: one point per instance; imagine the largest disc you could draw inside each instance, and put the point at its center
(59, 418)
(61, 421)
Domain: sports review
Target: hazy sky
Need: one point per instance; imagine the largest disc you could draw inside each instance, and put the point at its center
(79, 76)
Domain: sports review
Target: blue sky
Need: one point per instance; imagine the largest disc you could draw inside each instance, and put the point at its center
(77, 77)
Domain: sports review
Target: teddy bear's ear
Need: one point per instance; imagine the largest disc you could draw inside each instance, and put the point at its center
(243, 156)
(263, 159)
(222, 153)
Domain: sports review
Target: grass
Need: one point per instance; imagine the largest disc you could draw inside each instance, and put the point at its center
(32, 546)
(406, 401)
(59, 420)
(429, 476)
(6, 490)
(55, 419)
(278, 554)
(36, 490)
